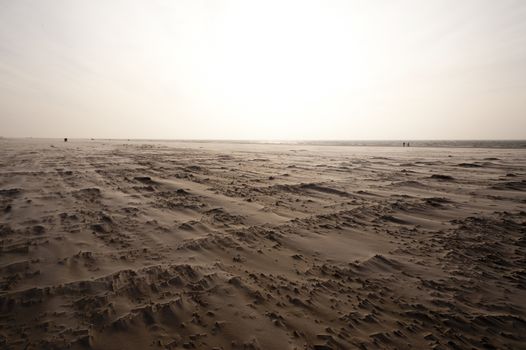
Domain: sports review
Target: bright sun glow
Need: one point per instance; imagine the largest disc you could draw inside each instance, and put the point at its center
(263, 69)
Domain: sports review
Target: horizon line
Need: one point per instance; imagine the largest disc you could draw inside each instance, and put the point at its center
(258, 140)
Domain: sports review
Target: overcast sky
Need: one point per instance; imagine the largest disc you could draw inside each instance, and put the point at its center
(263, 69)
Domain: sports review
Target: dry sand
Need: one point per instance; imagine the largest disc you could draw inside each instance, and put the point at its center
(114, 245)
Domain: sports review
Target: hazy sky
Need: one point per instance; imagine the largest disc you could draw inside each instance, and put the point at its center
(263, 69)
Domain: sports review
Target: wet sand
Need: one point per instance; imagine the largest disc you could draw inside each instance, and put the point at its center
(129, 245)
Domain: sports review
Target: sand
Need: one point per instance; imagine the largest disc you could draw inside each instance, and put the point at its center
(129, 245)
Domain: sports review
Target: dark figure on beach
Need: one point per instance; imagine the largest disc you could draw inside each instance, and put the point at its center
(408, 144)
(65, 139)
(403, 144)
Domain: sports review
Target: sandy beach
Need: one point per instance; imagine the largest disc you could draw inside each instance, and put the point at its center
(130, 245)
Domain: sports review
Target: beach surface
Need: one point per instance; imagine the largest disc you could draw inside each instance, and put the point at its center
(183, 245)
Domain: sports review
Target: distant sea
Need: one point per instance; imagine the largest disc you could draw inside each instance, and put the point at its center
(389, 143)
(430, 143)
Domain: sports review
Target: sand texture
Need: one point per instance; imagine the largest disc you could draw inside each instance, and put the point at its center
(128, 245)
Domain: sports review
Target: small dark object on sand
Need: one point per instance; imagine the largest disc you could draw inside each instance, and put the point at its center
(65, 139)
(144, 179)
(442, 177)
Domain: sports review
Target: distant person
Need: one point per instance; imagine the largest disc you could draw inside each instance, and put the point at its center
(408, 144)
(65, 139)
(403, 144)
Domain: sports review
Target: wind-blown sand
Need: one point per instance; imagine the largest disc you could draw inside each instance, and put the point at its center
(114, 245)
